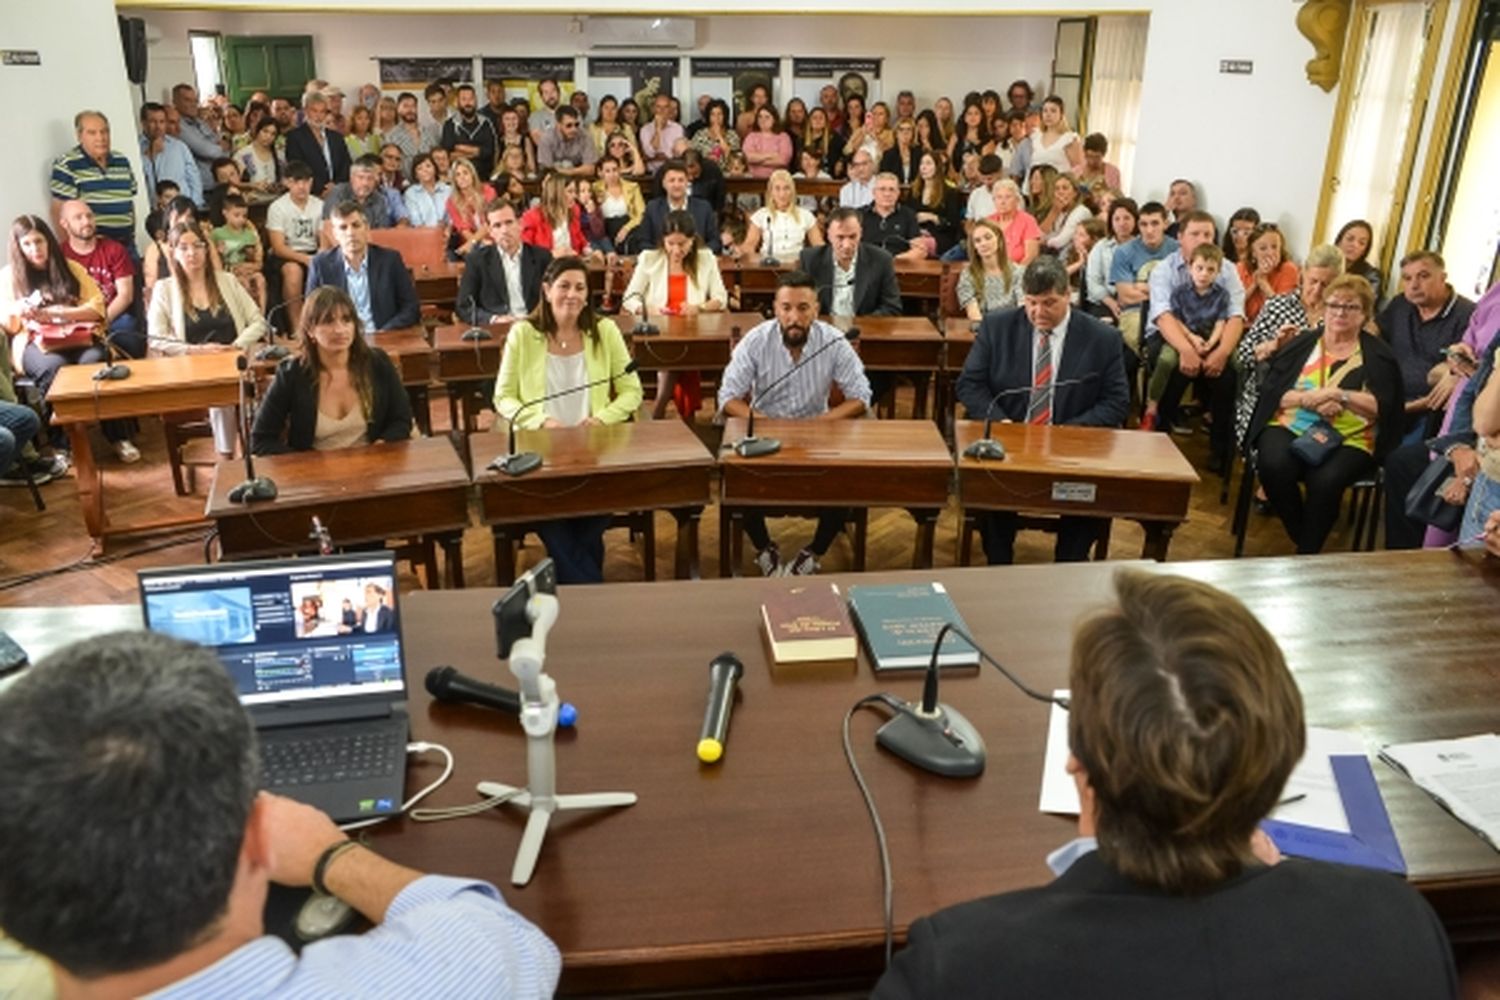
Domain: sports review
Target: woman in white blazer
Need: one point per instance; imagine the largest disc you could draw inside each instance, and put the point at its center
(201, 309)
(681, 278)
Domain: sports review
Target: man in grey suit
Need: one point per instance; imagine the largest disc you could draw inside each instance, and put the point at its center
(853, 278)
(1044, 363)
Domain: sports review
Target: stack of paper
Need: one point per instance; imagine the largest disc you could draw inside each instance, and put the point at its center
(1462, 774)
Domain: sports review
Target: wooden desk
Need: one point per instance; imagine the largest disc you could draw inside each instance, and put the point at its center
(644, 465)
(468, 369)
(410, 350)
(762, 869)
(437, 284)
(690, 343)
(156, 386)
(898, 343)
(1093, 471)
(400, 489)
(810, 186)
(835, 463)
(922, 279)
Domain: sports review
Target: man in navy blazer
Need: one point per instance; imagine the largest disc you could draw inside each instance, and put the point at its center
(320, 147)
(873, 292)
(1082, 365)
(374, 277)
(484, 294)
(674, 198)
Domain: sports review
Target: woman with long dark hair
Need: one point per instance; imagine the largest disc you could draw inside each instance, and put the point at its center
(1355, 239)
(336, 391)
(564, 345)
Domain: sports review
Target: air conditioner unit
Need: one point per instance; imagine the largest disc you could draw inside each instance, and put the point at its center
(641, 32)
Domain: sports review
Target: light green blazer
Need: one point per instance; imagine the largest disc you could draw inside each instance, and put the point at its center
(523, 376)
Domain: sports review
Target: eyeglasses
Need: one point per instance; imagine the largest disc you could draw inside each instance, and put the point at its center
(1343, 307)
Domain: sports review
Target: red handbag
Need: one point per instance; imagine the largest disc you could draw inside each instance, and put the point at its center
(53, 337)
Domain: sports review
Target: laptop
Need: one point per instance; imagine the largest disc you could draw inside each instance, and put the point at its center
(314, 648)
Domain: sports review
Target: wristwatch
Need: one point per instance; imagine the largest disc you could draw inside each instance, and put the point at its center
(1344, 398)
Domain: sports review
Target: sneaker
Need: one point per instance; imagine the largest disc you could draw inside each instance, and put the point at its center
(1181, 430)
(54, 466)
(769, 560)
(806, 564)
(15, 477)
(127, 452)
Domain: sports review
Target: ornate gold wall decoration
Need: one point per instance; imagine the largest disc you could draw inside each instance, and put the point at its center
(1323, 22)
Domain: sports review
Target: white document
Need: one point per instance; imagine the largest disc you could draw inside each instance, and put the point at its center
(1462, 774)
(1319, 804)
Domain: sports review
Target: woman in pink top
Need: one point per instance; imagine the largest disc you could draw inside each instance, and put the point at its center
(1265, 269)
(1023, 237)
(768, 148)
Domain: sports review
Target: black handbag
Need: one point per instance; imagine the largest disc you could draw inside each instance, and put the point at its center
(1424, 501)
(1315, 445)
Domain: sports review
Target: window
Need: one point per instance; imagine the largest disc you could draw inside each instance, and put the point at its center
(204, 46)
(1115, 90)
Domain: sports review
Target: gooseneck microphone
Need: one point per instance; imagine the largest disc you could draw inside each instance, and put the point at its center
(514, 464)
(987, 446)
(254, 487)
(448, 684)
(724, 675)
(751, 446)
(472, 317)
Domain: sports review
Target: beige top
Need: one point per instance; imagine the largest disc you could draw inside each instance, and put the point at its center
(166, 320)
(332, 433)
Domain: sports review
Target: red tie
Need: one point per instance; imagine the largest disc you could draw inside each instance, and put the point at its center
(1040, 410)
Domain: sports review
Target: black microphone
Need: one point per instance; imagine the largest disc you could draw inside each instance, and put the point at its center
(751, 446)
(254, 487)
(475, 331)
(447, 684)
(113, 369)
(987, 446)
(273, 352)
(934, 736)
(513, 464)
(724, 675)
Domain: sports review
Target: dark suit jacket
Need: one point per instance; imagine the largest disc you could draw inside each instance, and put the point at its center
(709, 186)
(483, 293)
(1382, 379)
(875, 290)
(288, 417)
(384, 619)
(1001, 360)
(704, 217)
(1300, 929)
(300, 145)
(393, 296)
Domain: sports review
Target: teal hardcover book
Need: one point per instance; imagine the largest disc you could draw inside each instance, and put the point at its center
(899, 622)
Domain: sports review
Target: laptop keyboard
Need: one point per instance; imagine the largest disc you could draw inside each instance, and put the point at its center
(316, 760)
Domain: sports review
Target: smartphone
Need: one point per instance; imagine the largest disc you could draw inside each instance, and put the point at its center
(1442, 490)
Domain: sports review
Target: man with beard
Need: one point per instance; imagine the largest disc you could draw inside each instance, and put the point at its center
(109, 264)
(768, 352)
(408, 136)
(470, 135)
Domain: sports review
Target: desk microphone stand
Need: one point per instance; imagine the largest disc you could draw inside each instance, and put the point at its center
(539, 705)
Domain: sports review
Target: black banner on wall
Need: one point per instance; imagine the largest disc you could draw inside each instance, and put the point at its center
(648, 77)
(560, 69)
(836, 67)
(407, 73)
(735, 67)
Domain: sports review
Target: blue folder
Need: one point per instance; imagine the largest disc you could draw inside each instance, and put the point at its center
(1370, 842)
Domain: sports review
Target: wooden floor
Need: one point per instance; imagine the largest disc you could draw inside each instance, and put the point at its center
(45, 558)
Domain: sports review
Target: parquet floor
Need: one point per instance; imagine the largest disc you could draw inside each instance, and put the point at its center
(45, 557)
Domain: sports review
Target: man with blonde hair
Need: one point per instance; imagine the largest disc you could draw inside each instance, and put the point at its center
(1184, 725)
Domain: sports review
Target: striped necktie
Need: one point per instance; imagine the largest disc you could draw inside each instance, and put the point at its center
(1040, 410)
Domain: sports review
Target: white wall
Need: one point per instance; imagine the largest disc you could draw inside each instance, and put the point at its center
(82, 67)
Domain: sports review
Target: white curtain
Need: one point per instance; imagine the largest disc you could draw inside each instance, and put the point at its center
(1115, 90)
(1379, 117)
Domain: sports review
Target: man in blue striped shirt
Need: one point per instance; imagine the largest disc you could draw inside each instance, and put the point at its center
(94, 173)
(138, 851)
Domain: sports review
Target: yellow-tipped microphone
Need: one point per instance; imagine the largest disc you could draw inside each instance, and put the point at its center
(724, 675)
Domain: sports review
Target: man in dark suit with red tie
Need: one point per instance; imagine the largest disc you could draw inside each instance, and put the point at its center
(1044, 363)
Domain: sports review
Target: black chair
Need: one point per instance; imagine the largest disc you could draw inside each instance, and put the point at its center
(1365, 498)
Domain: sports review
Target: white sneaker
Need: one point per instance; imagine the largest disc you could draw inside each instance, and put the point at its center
(769, 560)
(127, 452)
(806, 564)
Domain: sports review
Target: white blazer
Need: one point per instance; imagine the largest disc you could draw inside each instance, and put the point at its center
(648, 285)
(167, 320)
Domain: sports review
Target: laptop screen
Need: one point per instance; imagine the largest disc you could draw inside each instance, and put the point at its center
(290, 631)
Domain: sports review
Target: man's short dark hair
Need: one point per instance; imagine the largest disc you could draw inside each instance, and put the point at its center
(1154, 208)
(566, 111)
(296, 170)
(180, 88)
(671, 165)
(1043, 275)
(1430, 256)
(496, 204)
(463, 87)
(844, 214)
(433, 90)
(162, 187)
(989, 163)
(1095, 142)
(405, 95)
(797, 279)
(344, 210)
(234, 201)
(1030, 93)
(128, 771)
(548, 79)
(368, 161)
(151, 107)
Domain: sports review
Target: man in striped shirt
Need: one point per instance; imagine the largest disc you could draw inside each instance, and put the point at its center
(102, 177)
(139, 851)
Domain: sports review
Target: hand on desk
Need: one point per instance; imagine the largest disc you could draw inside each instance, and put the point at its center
(297, 834)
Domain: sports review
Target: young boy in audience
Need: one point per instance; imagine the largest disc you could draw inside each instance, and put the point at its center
(227, 181)
(1203, 308)
(239, 246)
(294, 227)
(156, 221)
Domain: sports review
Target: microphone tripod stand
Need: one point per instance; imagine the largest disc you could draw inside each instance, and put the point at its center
(539, 707)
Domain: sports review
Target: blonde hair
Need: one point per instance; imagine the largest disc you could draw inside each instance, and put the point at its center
(770, 203)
